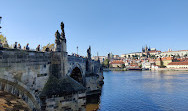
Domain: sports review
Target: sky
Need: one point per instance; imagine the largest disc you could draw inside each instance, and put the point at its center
(117, 26)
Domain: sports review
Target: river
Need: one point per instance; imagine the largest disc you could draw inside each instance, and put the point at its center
(142, 91)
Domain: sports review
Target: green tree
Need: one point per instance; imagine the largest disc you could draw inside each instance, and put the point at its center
(50, 46)
(106, 63)
(140, 66)
(123, 66)
(4, 41)
(3, 38)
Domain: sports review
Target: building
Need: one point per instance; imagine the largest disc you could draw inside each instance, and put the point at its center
(116, 57)
(146, 52)
(100, 58)
(117, 63)
(179, 53)
(147, 64)
(131, 55)
(163, 62)
(183, 64)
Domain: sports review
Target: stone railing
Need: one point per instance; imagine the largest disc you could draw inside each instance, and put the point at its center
(76, 59)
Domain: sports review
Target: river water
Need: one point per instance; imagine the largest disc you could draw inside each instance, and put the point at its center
(142, 91)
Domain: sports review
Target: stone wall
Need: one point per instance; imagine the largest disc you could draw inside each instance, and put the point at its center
(72, 102)
(27, 69)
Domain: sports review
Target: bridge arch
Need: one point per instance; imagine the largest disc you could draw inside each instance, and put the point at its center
(76, 74)
(19, 90)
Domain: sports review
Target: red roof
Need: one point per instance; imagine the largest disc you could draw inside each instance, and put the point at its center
(179, 63)
(165, 58)
(152, 51)
(182, 59)
(117, 62)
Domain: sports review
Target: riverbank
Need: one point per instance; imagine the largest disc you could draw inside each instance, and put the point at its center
(114, 69)
(158, 69)
(170, 69)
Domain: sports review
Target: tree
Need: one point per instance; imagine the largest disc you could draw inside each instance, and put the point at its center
(50, 46)
(4, 40)
(106, 63)
(123, 65)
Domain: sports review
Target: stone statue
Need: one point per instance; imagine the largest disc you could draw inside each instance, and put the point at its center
(57, 36)
(89, 52)
(62, 29)
(57, 41)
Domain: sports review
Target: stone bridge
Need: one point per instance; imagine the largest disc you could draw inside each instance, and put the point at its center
(51, 80)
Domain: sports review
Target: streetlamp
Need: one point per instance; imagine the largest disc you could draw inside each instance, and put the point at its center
(77, 50)
(0, 22)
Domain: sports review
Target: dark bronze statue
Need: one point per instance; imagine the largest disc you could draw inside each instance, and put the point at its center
(62, 29)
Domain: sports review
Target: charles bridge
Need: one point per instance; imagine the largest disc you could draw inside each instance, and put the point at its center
(51, 80)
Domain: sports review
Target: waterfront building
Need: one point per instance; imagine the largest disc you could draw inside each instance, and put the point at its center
(163, 62)
(117, 63)
(182, 64)
(147, 64)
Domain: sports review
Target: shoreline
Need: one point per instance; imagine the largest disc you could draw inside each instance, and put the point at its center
(159, 69)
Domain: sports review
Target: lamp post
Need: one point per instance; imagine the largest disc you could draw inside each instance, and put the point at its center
(0, 22)
(77, 50)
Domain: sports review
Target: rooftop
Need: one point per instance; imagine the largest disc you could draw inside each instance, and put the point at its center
(117, 62)
(61, 87)
(179, 63)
